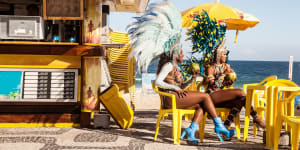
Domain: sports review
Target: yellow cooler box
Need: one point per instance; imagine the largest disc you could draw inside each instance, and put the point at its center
(116, 105)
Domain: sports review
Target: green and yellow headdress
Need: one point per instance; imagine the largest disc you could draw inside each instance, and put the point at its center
(206, 35)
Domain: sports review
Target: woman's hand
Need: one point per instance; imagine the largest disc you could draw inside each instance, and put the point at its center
(181, 93)
(228, 69)
(228, 83)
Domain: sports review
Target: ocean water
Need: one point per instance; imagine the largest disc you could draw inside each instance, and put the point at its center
(247, 71)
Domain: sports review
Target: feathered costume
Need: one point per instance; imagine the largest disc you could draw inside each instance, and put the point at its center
(206, 36)
(208, 40)
(157, 31)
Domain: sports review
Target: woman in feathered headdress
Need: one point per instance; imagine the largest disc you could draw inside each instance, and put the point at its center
(156, 34)
(220, 75)
(208, 39)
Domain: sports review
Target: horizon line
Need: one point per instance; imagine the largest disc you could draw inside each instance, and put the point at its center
(260, 60)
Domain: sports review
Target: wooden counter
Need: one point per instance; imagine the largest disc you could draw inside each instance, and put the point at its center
(35, 43)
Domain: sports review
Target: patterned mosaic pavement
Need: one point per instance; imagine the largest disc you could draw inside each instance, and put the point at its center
(138, 137)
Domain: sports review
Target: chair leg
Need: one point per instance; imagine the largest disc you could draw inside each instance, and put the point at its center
(237, 126)
(160, 116)
(175, 126)
(250, 94)
(186, 117)
(286, 126)
(202, 127)
(277, 131)
(290, 111)
(261, 113)
(256, 104)
(178, 127)
(165, 115)
(223, 116)
(295, 137)
(254, 130)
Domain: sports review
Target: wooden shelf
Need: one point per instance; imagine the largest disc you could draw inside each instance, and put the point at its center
(35, 43)
(107, 45)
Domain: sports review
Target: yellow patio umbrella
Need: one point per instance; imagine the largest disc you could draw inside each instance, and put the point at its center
(246, 21)
(232, 17)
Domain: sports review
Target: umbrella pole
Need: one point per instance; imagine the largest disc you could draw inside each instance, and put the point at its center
(236, 35)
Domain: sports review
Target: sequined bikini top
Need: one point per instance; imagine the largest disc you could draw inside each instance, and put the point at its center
(177, 76)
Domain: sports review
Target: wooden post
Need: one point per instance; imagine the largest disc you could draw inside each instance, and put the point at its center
(92, 22)
(91, 83)
(291, 68)
(91, 70)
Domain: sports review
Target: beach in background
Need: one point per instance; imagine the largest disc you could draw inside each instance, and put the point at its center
(247, 72)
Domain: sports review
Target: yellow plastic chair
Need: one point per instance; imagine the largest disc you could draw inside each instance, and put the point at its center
(259, 102)
(222, 112)
(122, 69)
(286, 99)
(271, 106)
(287, 84)
(177, 114)
(269, 78)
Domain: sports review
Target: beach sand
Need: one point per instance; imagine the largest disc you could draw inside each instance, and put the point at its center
(144, 101)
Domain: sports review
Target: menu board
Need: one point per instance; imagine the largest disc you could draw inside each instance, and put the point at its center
(49, 85)
(39, 85)
(63, 9)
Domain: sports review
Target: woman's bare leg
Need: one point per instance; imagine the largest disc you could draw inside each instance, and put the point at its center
(198, 114)
(226, 95)
(192, 98)
(234, 99)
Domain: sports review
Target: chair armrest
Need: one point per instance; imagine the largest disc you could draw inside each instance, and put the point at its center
(246, 85)
(169, 95)
(166, 94)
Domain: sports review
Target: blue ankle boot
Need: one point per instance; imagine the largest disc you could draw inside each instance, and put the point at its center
(191, 133)
(220, 128)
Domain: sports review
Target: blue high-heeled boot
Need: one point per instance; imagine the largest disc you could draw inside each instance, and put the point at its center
(191, 133)
(220, 128)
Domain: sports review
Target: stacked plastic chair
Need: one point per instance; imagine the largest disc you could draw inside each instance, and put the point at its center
(285, 96)
(260, 99)
(121, 68)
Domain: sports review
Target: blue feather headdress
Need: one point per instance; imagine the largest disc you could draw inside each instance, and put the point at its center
(157, 31)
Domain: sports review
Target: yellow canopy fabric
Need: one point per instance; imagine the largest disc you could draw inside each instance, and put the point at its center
(232, 17)
(246, 21)
(215, 10)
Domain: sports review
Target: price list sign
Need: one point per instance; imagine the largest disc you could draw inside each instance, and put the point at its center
(49, 85)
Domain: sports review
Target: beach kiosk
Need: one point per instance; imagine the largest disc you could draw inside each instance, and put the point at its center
(50, 53)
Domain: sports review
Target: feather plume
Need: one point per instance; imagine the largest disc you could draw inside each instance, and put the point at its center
(157, 31)
(206, 35)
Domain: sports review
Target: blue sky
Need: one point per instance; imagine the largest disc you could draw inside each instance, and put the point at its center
(275, 38)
